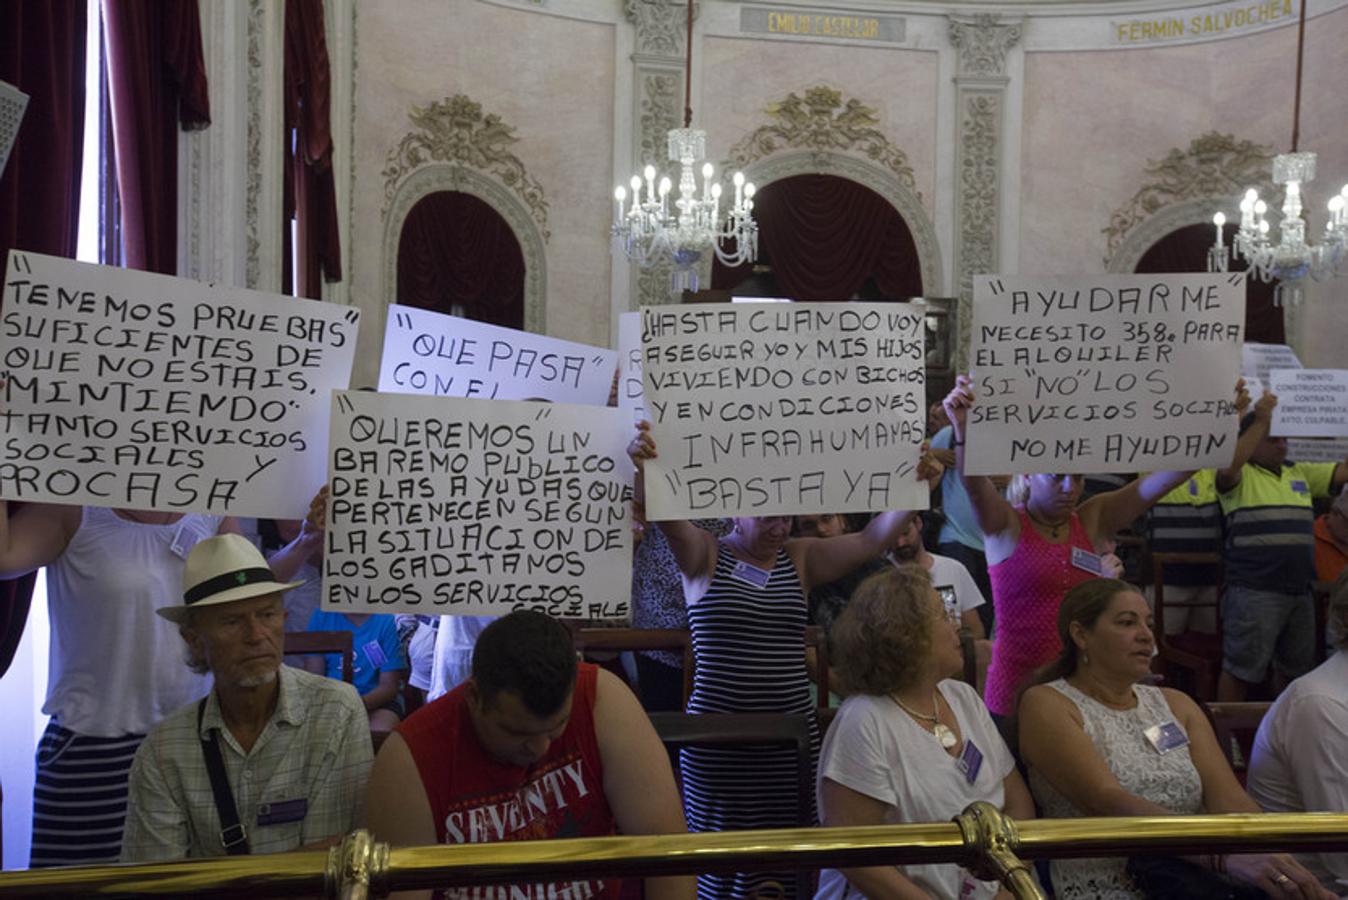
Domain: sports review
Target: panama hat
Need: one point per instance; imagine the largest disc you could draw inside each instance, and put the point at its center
(223, 569)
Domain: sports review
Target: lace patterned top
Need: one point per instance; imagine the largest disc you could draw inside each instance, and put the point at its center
(657, 586)
(1168, 780)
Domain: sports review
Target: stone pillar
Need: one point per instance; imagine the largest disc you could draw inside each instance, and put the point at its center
(982, 43)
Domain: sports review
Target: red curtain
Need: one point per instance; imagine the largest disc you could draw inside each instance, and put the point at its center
(156, 79)
(455, 248)
(825, 238)
(1186, 250)
(310, 190)
(42, 47)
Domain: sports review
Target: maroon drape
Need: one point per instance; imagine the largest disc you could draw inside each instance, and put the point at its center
(825, 237)
(455, 248)
(1186, 250)
(42, 48)
(156, 79)
(310, 190)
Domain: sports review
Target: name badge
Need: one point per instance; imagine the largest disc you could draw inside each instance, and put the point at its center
(1193, 487)
(282, 811)
(1166, 737)
(374, 653)
(1300, 486)
(751, 574)
(970, 761)
(1087, 561)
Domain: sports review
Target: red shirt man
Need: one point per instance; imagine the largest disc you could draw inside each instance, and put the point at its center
(532, 747)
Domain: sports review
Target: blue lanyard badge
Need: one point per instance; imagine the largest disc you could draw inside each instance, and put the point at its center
(1087, 561)
(1193, 487)
(1300, 486)
(1166, 737)
(970, 761)
(374, 653)
(282, 811)
(751, 574)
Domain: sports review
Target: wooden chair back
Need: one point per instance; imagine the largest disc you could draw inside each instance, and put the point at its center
(1235, 725)
(675, 640)
(300, 643)
(1202, 656)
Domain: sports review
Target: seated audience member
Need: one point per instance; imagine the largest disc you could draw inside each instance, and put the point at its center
(1188, 520)
(1297, 764)
(532, 746)
(378, 663)
(274, 758)
(959, 537)
(1040, 545)
(1099, 743)
(910, 744)
(418, 635)
(303, 600)
(1331, 540)
(1268, 611)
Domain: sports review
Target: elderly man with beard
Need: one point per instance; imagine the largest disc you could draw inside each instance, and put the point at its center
(274, 758)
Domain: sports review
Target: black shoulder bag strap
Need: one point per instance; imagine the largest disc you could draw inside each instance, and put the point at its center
(233, 836)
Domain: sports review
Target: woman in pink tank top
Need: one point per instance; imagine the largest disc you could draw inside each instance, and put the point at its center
(1040, 548)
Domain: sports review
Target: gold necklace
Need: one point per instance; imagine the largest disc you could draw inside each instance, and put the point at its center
(939, 729)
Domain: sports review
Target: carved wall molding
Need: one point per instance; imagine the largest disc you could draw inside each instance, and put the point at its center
(662, 26)
(881, 180)
(1215, 169)
(982, 43)
(823, 121)
(257, 19)
(456, 132)
(442, 176)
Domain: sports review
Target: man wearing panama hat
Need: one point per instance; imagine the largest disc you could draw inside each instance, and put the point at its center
(274, 758)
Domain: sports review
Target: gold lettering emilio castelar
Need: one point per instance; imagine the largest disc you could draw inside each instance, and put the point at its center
(853, 27)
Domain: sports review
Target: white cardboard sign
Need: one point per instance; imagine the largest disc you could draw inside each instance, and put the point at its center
(130, 389)
(1311, 402)
(1333, 450)
(1104, 373)
(1258, 360)
(631, 395)
(446, 356)
(13, 102)
(768, 409)
(451, 506)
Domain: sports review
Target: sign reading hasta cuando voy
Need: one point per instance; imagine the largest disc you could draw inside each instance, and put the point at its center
(1108, 373)
(767, 409)
(130, 389)
(474, 507)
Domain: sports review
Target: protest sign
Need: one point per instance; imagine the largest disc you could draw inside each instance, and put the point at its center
(13, 102)
(445, 356)
(129, 389)
(1333, 450)
(464, 507)
(1311, 402)
(1258, 360)
(630, 394)
(1106, 373)
(765, 409)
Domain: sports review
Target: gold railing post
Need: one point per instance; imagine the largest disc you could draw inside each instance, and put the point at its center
(357, 868)
(991, 839)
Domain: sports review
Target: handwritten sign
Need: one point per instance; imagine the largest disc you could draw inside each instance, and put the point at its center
(464, 507)
(1258, 360)
(129, 389)
(631, 396)
(13, 102)
(445, 356)
(766, 409)
(1109, 373)
(1311, 402)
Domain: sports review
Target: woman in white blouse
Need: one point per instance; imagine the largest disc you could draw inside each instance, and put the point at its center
(909, 744)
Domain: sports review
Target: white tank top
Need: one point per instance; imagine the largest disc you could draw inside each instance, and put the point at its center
(116, 667)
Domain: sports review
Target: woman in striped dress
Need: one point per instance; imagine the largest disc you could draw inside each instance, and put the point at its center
(746, 606)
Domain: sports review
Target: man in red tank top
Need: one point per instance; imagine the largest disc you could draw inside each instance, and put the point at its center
(533, 746)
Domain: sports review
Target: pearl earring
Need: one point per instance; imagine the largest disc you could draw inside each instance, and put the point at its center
(1085, 658)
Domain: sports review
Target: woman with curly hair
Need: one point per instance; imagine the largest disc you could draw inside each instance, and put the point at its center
(910, 744)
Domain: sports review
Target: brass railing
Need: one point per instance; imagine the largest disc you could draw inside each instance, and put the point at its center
(982, 839)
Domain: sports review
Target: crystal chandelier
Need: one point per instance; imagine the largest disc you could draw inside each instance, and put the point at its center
(1291, 259)
(649, 233)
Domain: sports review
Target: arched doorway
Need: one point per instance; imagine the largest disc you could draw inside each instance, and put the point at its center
(457, 255)
(1186, 250)
(822, 237)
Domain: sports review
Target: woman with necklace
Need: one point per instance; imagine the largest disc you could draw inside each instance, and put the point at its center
(1041, 547)
(745, 594)
(910, 744)
(1099, 743)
